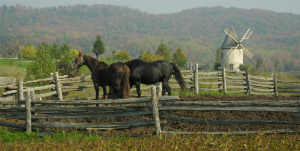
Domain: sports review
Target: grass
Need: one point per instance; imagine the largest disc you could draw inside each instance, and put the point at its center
(78, 141)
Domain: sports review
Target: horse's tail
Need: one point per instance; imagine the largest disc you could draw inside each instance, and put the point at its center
(178, 76)
(126, 83)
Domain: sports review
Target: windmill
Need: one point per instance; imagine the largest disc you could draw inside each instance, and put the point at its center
(232, 49)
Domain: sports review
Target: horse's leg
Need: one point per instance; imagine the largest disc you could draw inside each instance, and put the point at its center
(96, 86)
(104, 94)
(138, 89)
(166, 87)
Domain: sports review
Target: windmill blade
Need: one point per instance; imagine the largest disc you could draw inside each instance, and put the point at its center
(227, 32)
(232, 48)
(246, 52)
(247, 35)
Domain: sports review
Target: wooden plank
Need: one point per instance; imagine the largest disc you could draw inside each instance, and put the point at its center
(236, 87)
(18, 117)
(61, 110)
(7, 99)
(30, 88)
(77, 87)
(7, 80)
(12, 109)
(240, 91)
(208, 73)
(226, 122)
(279, 103)
(77, 78)
(264, 83)
(255, 93)
(39, 80)
(260, 78)
(212, 108)
(236, 78)
(289, 86)
(263, 90)
(209, 78)
(92, 115)
(76, 81)
(278, 131)
(235, 71)
(263, 86)
(210, 82)
(204, 89)
(6, 86)
(90, 102)
(129, 124)
(21, 126)
(288, 91)
(183, 71)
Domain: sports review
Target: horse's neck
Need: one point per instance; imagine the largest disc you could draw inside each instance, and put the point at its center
(90, 62)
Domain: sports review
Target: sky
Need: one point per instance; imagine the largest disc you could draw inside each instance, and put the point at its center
(169, 6)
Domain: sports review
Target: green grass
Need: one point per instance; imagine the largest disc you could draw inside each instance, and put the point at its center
(15, 62)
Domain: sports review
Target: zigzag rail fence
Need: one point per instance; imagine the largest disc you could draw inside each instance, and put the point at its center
(219, 81)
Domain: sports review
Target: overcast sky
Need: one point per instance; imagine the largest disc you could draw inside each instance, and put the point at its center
(169, 6)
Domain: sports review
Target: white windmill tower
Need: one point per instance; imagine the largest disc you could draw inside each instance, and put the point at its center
(232, 50)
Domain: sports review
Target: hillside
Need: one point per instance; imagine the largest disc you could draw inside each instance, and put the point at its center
(197, 31)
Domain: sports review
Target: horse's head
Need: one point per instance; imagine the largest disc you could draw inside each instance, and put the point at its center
(78, 62)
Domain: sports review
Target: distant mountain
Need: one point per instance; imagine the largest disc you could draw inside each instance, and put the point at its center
(197, 31)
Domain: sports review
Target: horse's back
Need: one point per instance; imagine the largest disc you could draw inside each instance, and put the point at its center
(149, 72)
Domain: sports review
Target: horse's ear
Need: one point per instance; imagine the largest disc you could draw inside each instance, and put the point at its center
(80, 53)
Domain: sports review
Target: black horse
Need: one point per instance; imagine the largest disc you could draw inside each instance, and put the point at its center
(116, 75)
(153, 72)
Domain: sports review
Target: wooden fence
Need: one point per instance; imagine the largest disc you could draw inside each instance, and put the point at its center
(289, 106)
(48, 109)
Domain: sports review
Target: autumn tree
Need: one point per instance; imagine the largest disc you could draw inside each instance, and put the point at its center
(43, 65)
(276, 64)
(179, 58)
(121, 55)
(148, 56)
(98, 47)
(28, 51)
(163, 51)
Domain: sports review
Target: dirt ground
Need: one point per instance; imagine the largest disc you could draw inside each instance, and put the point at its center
(209, 115)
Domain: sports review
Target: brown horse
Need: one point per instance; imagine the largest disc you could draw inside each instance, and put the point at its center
(116, 75)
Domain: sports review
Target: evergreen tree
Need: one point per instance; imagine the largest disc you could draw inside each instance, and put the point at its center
(218, 58)
(179, 58)
(64, 49)
(163, 51)
(4, 7)
(55, 51)
(98, 48)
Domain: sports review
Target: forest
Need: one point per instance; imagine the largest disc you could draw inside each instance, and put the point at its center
(198, 32)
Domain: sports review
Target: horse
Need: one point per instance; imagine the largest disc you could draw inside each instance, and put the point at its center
(116, 75)
(153, 72)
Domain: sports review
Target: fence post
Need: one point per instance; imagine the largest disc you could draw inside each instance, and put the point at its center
(219, 80)
(58, 87)
(21, 92)
(159, 89)
(196, 85)
(224, 80)
(248, 82)
(53, 89)
(275, 85)
(191, 66)
(28, 112)
(155, 111)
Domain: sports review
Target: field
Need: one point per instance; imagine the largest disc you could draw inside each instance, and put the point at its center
(68, 138)
(65, 139)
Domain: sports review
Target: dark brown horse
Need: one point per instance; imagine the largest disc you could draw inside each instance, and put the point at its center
(116, 75)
